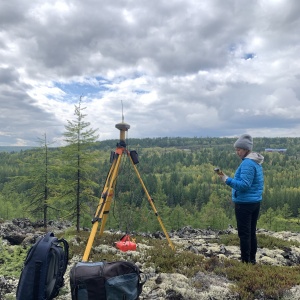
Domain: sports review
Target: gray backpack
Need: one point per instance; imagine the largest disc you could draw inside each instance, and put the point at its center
(44, 268)
(105, 281)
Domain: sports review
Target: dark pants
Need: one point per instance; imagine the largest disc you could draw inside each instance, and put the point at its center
(246, 217)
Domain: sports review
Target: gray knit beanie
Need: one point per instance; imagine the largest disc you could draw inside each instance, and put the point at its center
(245, 141)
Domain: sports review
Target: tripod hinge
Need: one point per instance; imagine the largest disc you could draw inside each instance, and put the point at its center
(96, 219)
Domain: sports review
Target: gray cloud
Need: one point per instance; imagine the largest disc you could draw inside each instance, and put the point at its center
(181, 68)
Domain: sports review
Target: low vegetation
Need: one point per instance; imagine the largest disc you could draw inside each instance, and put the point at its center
(250, 282)
(264, 241)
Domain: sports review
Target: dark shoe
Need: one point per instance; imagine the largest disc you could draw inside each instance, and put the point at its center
(253, 261)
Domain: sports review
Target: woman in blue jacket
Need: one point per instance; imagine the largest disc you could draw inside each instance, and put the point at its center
(247, 188)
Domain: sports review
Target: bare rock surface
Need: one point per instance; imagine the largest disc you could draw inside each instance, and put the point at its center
(161, 286)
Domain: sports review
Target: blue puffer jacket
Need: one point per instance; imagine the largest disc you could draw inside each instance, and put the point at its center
(248, 182)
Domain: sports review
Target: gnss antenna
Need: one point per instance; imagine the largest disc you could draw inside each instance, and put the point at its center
(123, 127)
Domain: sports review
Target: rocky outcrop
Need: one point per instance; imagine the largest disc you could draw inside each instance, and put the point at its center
(23, 231)
(161, 285)
(199, 241)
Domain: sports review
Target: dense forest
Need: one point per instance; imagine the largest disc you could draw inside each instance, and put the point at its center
(178, 173)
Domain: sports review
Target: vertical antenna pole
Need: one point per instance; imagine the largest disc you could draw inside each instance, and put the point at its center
(122, 112)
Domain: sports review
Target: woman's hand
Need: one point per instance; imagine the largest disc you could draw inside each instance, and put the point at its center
(223, 177)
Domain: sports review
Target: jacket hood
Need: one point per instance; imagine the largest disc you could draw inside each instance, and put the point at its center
(258, 158)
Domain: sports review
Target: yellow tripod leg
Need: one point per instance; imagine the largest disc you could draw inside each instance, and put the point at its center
(111, 190)
(152, 205)
(104, 206)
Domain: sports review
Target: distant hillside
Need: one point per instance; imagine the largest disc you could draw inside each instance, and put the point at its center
(290, 145)
(15, 148)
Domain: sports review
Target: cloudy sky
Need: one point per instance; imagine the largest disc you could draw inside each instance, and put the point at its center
(185, 68)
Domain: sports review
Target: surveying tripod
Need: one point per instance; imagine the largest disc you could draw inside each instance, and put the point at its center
(106, 198)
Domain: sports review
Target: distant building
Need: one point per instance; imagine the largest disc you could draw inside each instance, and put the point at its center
(275, 150)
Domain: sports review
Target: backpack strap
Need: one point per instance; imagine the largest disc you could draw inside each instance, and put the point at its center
(144, 277)
(63, 254)
(41, 264)
(66, 250)
(37, 278)
(47, 236)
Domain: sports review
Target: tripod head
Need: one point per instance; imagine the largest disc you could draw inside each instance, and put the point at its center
(123, 127)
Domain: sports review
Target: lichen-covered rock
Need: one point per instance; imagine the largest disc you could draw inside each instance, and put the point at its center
(161, 286)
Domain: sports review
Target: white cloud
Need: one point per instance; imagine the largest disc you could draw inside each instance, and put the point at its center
(181, 68)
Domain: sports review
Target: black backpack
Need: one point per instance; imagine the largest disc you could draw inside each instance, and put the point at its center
(44, 268)
(106, 281)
